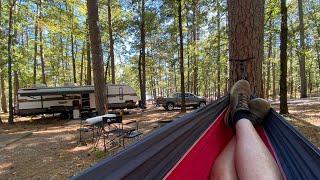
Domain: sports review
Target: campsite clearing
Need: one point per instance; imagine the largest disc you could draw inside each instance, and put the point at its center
(53, 150)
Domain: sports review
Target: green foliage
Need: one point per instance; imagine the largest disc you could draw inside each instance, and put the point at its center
(60, 19)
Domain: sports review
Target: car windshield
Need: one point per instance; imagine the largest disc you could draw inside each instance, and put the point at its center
(176, 95)
(179, 95)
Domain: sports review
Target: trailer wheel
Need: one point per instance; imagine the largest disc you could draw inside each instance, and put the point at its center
(67, 115)
(64, 115)
(170, 106)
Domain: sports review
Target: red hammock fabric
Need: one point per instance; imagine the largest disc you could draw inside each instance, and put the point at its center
(198, 160)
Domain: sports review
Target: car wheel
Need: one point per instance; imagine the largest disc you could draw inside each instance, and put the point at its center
(202, 104)
(170, 106)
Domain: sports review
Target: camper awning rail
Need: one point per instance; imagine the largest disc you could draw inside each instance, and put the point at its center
(55, 91)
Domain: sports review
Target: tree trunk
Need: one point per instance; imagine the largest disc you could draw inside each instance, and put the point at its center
(269, 57)
(291, 73)
(218, 49)
(183, 100)
(12, 5)
(318, 54)
(73, 59)
(107, 71)
(97, 56)
(140, 76)
(61, 63)
(274, 93)
(35, 47)
(283, 59)
(82, 62)
(72, 46)
(113, 76)
(41, 47)
(226, 80)
(89, 77)
(195, 65)
(188, 57)
(175, 75)
(303, 87)
(246, 23)
(310, 78)
(188, 76)
(16, 87)
(143, 58)
(3, 94)
(42, 58)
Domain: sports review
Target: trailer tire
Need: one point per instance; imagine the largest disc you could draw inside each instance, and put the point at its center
(67, 115)
(170, 106)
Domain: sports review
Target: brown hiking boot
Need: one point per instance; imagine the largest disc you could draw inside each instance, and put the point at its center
(239, 100)
(259, 109)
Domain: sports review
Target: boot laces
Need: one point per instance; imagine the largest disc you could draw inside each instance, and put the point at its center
(243, 101)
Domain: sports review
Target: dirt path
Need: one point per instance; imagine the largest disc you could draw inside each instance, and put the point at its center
(304, 114)
(53, 150)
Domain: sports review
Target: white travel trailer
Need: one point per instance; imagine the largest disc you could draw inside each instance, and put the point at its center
(48, 100)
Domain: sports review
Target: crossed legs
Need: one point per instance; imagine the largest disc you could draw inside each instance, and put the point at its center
(245, 157)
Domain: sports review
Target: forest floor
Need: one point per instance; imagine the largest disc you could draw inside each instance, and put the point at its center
(53, 150)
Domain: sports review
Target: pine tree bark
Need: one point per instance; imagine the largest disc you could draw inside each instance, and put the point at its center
(269, 56)
(283, 59)
(82, 62)
(218, 50)
(188, 57)
(111, 41)
(41, 46)
(35, 47)
(12, 5)
(194, 33)
(2, 92)
(97, 56)
(142, 56)
(274, 92)
(318, 52)
(310, 79)
(72, 46)
(139, 74)
(89, 77)
(42, 58)
(303, 87)
(291, 72)
(15, 73)
(16, 88)
(246, 24)
(183, 100)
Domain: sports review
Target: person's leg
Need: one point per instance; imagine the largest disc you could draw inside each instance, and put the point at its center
(252, 158)
(224, 167)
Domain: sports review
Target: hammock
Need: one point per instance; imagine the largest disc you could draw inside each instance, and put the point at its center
(188, 147)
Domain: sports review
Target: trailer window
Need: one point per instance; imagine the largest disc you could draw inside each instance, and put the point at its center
(121, 93)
